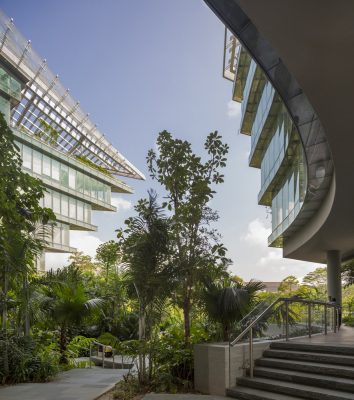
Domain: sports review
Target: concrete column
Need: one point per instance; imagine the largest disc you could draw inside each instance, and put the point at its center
(334, 282)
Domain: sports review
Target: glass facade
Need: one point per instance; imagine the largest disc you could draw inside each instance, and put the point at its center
(10, 85)
(61, 173)
(67, 206)
(282, 144)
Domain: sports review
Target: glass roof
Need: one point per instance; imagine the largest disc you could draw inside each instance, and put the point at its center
(45, 101)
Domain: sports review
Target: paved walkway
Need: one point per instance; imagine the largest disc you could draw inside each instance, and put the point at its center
(344, 337)
(76, 384)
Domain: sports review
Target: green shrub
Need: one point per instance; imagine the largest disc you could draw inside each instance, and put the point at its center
(349, 320)
(108, 339)
(79, 346)
(23, 360)
(128, 388)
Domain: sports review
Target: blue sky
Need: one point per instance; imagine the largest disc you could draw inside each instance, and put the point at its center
(139, 67)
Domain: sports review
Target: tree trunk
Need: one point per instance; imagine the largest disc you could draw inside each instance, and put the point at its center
(27, 319)
(63, 345)
(142, 335)
(225, 329)
(186, 315)
(4, 310)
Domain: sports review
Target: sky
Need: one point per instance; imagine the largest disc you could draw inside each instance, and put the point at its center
(140, 67)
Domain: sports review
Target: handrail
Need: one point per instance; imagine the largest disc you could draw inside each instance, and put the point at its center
(286, 301)
(95, 343)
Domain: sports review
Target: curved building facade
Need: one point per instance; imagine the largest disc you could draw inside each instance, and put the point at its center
(296, 105)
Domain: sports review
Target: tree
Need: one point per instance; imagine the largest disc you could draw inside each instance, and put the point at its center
(317, 281)
(228, 302)
(188, 183)
(108, 254)
(145, 248)
(83, 262)
(66, 303)
(288, 285)
(348, 272)
(20, 219)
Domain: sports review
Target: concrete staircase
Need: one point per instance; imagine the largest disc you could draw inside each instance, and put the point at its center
(290, 371)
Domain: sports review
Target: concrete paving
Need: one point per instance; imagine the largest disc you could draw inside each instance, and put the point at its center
(344, 337)
(76, 384)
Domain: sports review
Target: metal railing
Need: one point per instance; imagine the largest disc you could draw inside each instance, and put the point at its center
(285, 315)
(101, 348)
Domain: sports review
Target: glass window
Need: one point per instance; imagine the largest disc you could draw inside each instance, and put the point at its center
(72, 178)
(64, 174)
(56, 202)
(80, 181)
(87, 213)
(87, 185)
(64, 205)
(55, 170)
(47, 199)
(72, 208)
(37, 162)
(80, 211)
(46, 165)
(56, 234)
(65, 235)
(27, 157)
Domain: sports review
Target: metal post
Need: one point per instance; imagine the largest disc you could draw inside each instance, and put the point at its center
(229, 365)
(334, 319)
(102, 356)
(90, 354)
(286, 321)
(309, 319)
(251, 353)
(325, 319)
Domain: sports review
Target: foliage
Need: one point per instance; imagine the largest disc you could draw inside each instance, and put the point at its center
(227, 303)
(26, 361)
(288, 285)
(91, 164)
(108, 254)
(108, 339)
(348, 273)
(66, 302)
(48, 134)
(79, 346)
(188, 183)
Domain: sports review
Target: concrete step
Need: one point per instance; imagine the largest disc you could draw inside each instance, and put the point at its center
(305, 366)
(294, 389)
(309, 356)
(246, 393)
(313, 348)
(305, 378)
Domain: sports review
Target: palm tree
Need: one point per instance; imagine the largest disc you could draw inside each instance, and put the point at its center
(227, 302)
(145, 245)
(66, 302)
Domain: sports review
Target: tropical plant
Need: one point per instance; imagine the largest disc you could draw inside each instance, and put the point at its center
(108, 255)
(188, 183)
(228, 302)
(66, 302)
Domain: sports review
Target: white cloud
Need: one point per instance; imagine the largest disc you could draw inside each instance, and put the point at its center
(85, 242)
(267, 263)
(121, 204)
(257, 233)
(233, 109)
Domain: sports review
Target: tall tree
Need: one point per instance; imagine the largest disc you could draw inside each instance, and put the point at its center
(108, 255)
(20, 215)
(145, 248)
(188, 182)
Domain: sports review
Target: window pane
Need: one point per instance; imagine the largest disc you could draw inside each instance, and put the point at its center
(72, 178)
(87, 185)
(27, 157)
(64, 174)
(80, 211)
(56, 234)
(64, 205)
(73, 208)
(56, 202)
(47, 199)
(37, 162)
(80, 181)
(65, 235)
(46, 165)
(87, 213)
(55, 170)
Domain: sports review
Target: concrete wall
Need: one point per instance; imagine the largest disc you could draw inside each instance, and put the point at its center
(211, 365)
